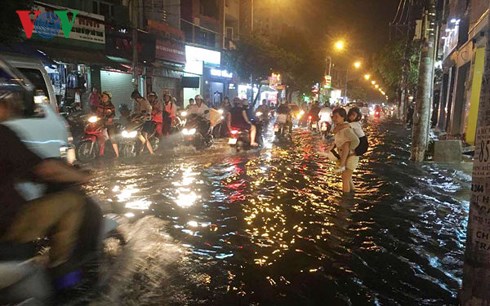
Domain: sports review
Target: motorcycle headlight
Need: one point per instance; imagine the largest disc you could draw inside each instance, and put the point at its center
(131, 134)
(189, 132)
(220, 111)
(93, 119)
(258, 114)
(183, 114)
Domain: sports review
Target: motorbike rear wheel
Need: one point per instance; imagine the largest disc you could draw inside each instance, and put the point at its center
(87, 151)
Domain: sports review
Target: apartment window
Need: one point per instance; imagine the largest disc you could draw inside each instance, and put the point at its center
(103, 8)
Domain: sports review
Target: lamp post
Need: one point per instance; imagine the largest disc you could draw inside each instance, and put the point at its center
(356, 65)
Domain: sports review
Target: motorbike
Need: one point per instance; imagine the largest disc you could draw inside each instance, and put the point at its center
(93, 141)
(25, 282)
(130, 143)
(195, 133)
(281, 128)
(240, 138)
(312, 124)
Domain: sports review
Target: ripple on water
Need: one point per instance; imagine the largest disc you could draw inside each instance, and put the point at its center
(270, 227)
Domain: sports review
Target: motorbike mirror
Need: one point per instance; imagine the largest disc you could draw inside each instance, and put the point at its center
(206, 112)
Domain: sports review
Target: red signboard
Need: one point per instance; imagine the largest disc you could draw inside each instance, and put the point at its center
(170, 51)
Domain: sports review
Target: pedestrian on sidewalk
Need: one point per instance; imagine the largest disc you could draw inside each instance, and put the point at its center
(346, 141)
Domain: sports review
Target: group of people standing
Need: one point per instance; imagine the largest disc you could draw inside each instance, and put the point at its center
(158, 115)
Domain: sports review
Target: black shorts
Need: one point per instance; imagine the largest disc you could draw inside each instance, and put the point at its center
(149, 127)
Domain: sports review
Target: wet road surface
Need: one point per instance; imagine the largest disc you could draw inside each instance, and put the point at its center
(269, 227)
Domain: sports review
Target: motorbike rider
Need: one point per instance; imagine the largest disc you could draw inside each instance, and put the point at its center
(106, 111)
(284, 109)
(239, 119)
(325, 114)
(265, 110)
(58, 214)
(314, 112)
(156, 113)
(143, 110)
(202, 110)
(171, 108)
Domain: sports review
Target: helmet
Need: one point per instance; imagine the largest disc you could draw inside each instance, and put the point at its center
(108, 93)
(135, 94)
(152, 94)
(198, 97)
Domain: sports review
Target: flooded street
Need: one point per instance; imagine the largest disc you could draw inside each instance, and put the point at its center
(269, 227)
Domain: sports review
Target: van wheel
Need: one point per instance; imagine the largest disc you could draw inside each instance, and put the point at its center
(86, 151)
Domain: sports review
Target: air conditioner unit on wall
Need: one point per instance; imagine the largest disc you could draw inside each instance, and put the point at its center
(229, 33)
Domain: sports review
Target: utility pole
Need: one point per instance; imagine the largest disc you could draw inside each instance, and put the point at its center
(134, 40)
(402, 105)
(476, 269)
(421, 118)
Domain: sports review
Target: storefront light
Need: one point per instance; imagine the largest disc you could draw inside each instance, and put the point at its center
(221, 73)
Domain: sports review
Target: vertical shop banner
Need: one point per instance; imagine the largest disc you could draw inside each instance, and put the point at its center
(476, 275)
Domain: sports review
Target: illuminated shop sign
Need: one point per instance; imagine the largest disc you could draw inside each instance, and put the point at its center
(221, 73)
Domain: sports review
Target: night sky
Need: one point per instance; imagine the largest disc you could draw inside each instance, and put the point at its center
(363, 23)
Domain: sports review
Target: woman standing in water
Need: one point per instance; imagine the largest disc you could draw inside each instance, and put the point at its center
(346, 141)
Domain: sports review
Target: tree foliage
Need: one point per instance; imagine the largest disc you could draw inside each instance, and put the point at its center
(389, 65)
(10, 25)
(292, 55)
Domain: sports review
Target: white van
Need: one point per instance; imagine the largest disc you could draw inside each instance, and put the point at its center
(41, 128)
(45, 132)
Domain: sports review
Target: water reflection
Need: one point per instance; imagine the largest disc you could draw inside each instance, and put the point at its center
(271, 228)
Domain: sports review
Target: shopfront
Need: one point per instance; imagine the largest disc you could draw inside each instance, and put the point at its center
(216, 85)
(168, 69)
(199, 60)
(118, 79)
(76, 58)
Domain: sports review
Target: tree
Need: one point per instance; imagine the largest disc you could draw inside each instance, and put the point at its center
(306, 62)
(255, 58)
(10, 25)
(387, 63)
(291, 55)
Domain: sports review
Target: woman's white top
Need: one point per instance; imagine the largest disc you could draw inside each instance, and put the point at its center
(346, 135)
(356, 126)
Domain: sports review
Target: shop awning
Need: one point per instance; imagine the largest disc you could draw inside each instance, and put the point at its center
(81, 56)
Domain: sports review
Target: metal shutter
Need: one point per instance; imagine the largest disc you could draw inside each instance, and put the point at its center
(120, 85)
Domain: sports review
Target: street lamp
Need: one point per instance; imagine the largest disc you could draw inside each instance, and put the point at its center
(357, 65)
(339, 45)
(373, 82)
(367, 77)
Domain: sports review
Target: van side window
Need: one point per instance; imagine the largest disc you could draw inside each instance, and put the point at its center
(12, 93)
(40, 91)
(36, 78)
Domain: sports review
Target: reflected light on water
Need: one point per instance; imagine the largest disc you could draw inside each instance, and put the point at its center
(185, 196)
(186, 199)
(138, 204)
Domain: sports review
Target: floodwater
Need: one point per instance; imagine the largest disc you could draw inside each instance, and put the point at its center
(269, 227)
